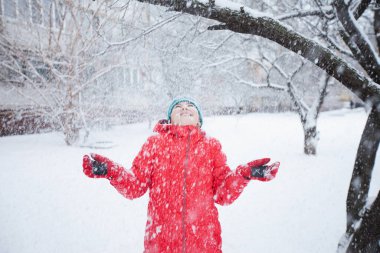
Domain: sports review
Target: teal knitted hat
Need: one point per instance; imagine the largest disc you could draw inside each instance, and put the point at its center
(185, 99)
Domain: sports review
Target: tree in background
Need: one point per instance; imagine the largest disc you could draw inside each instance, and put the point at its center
(163, 55)
(54, 58)
(308, 114)
(64, 57)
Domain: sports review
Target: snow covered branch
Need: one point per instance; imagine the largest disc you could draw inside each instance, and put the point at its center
(241, 19)
(300, 13)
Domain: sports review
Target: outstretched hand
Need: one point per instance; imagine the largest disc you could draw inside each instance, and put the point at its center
(261, 170)
(265, 172)
(97, 166)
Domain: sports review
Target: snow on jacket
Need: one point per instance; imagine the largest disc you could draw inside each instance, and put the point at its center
(186, 174)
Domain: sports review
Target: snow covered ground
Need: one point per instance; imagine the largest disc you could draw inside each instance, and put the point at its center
(48, 205)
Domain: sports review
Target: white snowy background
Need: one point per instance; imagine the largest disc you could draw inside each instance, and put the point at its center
(48, 205)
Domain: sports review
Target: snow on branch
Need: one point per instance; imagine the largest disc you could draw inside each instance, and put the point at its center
(300, 13)
(129, 40)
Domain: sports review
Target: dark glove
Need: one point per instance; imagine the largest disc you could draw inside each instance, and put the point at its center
(265, 172)
(259, 170)
(98, 166)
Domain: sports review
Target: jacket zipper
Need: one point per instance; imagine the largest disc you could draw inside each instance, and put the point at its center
(184, 191)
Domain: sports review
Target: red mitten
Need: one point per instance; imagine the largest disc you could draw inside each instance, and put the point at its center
(258, 170)
(98, 166)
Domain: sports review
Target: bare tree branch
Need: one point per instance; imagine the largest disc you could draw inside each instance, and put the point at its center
(358, 42)
(299, 14)
(362, 6)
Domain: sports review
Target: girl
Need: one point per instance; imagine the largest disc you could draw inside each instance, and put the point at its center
(186, 174)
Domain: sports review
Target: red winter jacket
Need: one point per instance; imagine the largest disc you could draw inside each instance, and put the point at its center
(186, 174)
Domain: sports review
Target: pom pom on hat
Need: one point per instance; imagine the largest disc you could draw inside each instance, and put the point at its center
(185, 99)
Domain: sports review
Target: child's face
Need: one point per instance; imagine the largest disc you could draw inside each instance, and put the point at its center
(185, 114)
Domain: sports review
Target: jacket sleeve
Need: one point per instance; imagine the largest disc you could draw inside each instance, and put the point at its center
(227, 184)
(135, 182)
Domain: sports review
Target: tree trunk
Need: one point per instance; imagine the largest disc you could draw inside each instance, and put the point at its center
(70, 118)
(367, 238)
(364, 237)
(70, 128)
(364, 163)
(310, 140)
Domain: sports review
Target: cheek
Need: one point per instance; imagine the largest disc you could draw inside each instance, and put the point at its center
(196, 115)
(174, 116)
(174, 113)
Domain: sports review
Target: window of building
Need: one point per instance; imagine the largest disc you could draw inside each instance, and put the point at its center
(124, 77)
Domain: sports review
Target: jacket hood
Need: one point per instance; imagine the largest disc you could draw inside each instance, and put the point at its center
(164, 127)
